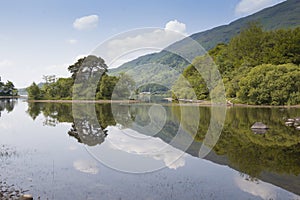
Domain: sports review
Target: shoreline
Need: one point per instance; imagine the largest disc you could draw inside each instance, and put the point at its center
(138, 101)
(11, 97)
(82, 101)
(264, 106)
(186, 103)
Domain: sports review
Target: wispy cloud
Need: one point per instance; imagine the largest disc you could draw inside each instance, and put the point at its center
(86, 23)
(5, 63)
(245, 7)
(262, 189)
(60, 69)
(86, 166)
(72, 41)
(134, 143)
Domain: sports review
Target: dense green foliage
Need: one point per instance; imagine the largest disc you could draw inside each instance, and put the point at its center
(153, 87)
(60, 89)
(34, 92)
(271, 84)
(257, 67)
(192, 84)
(8, 89)
(106, 87)
(281, 16)
(84, 82)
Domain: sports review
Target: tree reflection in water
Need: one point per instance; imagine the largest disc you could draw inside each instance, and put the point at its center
(84, 130)
(87, 134)
(7, 105)
(276, 151)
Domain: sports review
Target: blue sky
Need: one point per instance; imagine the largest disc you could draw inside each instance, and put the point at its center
(44, 37)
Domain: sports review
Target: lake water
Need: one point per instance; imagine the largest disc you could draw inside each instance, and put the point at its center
(145, 151)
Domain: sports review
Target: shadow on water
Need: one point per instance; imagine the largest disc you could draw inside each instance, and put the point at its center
(273, 156)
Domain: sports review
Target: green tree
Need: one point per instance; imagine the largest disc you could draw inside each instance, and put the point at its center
(10, 89)
(271, 84)
(87, 67)
(124, 88)
(106, 87)
(34, 92)
(73, 69)
(60, 89)
(253, 47)
(88, 74)
(246, 48)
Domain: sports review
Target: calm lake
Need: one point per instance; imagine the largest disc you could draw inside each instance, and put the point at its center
(145, 151)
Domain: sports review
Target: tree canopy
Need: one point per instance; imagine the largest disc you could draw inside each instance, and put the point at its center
(8, 89)
(257, 67)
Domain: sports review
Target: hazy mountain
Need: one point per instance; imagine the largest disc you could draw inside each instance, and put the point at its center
(23, 91)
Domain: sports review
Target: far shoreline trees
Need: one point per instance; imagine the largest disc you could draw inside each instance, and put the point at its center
(8, 89)
(83, 84)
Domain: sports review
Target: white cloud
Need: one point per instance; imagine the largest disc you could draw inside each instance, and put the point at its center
(176, 26)
(72, 148)
(61, 70)
(135, 143)
(5, 125)
(263, 190)
(245, 7)
(141, 42)
(72, 41)
(86, 166)
(5, 63)
(86, 22)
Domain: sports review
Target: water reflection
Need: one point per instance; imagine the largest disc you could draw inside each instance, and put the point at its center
(7, 105)
(258, 188)
(273, 156)
(85, 131)
(86, 166)
(276, 151)
(148, 147)
(126, 130)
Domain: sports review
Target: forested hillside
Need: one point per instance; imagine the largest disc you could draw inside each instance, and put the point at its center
(257, 67)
